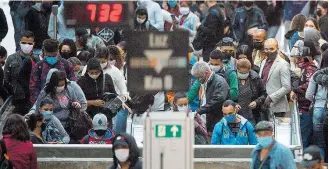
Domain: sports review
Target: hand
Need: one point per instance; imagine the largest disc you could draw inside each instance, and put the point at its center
(253, 105)
(237, 108)
(124, 106)
(98, 103)
(292, 95)
(76, 105)
(268, 101)
(236, 43)
(252, 31)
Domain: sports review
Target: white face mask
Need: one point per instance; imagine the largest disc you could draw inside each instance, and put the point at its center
(184, 10)
(122, 154)
(93, 76)
(140, 21)
(243, 76)
(103, 65)
(26, 48)
(215, 68)
(60, 89)
(182, 108)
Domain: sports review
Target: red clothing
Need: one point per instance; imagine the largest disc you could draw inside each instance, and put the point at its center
(266, 70)
(21, 154)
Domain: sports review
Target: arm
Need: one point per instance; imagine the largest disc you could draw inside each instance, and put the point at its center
(193, 92)
(34, 163)
(285, 82)
(60, 128)
(217, 134)
(3, 25)
(51, 31)
(287, 159)
(80, 95)
(159, 23)
(302, 88)
(262, 93)
(252, 139)
(310, 92)
(110, 83)
(211, 21)
(262, 20)
(34, 90)
(71, 74)
(234, 86)
(119, 81)
(321, 77)
(235, 24)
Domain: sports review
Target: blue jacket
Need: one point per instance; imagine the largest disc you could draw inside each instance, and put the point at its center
(245, 136)
(280, 157)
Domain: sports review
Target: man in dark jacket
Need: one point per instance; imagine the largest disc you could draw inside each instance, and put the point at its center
(3, 25)
(12, 69)
(214, 92)
(246, 20)
(211, 30)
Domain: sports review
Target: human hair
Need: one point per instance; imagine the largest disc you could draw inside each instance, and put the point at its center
(228, 103)
(122, 45)
(84, 56)
(46, 101)
(50, 45)
(28, 34)
(178, 95)
(16, 126)
(323, 4)
(315, 22)
(200, 67)
(115, 54)
(226, 41)
(56, 77)
(80, 32)
(216, 54)
(244, 63)
(102, 52)
(71, 44)
(74, 60)
(3, 51)
(188, 3)
(34, 118)
(141, 11)
(298, 22)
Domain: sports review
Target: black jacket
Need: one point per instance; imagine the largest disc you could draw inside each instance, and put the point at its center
(3, 25)
(323, 24)
(258, 89)
(216, 94)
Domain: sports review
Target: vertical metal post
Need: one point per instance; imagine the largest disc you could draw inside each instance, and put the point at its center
(54, 10)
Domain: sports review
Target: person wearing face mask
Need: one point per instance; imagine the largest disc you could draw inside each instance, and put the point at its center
(217, 65)
(12, 76)
(125, 153)
(180, 104)
(172, 8)
(233, 129)
(83, 41)
(141, 22)
(246, 20)
(276, 77)
(40, 70)
(322, 15)
(77, 66)
(100, 133)
(213, 91)
(67, 49)
(37, 124)
(269, 153)
(251, 93)
(258, 54)
(312, 158)
(154, 13)
(226, 46)
(94, 84)
(312, 40)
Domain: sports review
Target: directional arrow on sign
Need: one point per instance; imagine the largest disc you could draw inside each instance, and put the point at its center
(158, 58)
(174, 130)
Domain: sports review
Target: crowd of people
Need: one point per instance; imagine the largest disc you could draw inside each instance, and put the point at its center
(240, 79)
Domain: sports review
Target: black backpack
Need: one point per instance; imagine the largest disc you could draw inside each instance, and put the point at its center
(4, 162)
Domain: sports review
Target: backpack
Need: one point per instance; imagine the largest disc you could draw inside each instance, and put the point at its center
(79, 123)
(4, 161)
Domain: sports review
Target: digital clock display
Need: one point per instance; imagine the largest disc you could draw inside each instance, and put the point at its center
(90, 13)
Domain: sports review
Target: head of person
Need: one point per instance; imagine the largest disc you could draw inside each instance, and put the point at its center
(81, 36)
(243, 68)
(57, 83)
(115, 56)
(210, 3)
(311, 23)
(46, 108)
(141, 15)
(76, 63)
(102, 54)
(226, 46)
(125, 150)
(248, 4)
(172, 3)
(84, 57)
(271, 48)
(201, 71)
(229, 111)
(322, 8)
(184, 8)
(36, 121)
(311, 40)
(298, 23)
(100, 124)
(264, 133)
(67, 49)
(258, 39)
(216, 60)
(50, 49)
(301, 53)
(243, 51)
(94, 69)
(16, 126)
(180, 102)
(3, 55)
(312, 158)
(27, 42)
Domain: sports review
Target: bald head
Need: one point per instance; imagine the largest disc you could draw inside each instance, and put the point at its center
(259, 35)
(271, 48)
(271, 42)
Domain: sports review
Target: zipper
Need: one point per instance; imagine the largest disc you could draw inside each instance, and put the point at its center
(96, 88)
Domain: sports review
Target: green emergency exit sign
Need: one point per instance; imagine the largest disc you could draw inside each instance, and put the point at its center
(168, 131)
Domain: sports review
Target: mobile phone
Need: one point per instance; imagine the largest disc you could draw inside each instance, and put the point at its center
(173, 18)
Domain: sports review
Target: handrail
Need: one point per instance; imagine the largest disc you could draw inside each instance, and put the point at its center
(296, 124)
(5, 105)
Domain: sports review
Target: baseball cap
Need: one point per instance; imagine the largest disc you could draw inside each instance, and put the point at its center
(120, 140)
(226, 41)
(311, 156)
(264, 126)
(100, 122)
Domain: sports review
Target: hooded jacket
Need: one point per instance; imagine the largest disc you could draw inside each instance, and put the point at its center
(311, 40)
(135, 162)
(316, 93)
(146, 26)
(91, 138)
(222, 133)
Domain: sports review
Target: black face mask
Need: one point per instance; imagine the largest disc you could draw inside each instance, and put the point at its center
(65, 55)
(43, 126)
(271, 55)
(258, 45)
(100, 133)
(319, 13)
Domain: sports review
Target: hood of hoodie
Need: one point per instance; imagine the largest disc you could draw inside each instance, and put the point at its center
(133, 152)
(50, 73)
(311, 39)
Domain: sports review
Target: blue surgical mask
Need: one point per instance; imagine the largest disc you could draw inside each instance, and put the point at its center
(230, 118)
(265, 141)
(51, 60)
(172, 3)
(47, 114)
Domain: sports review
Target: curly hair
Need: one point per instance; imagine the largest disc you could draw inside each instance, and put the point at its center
(115, 54)
(16, 127)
